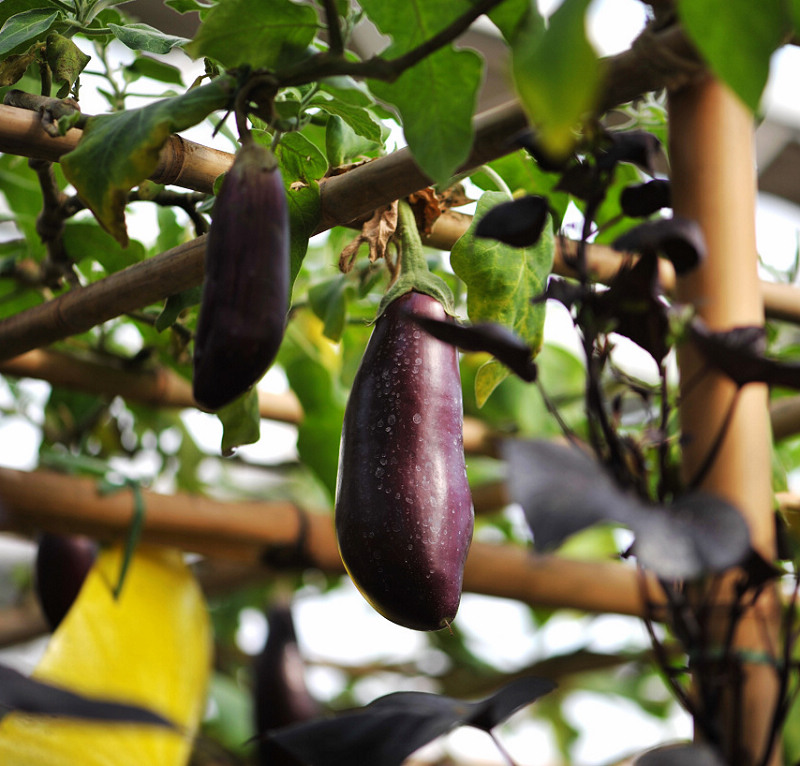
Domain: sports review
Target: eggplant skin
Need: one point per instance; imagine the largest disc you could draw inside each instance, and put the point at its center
(404, 515)
(281, 697)
(62, 563)
(246, 289)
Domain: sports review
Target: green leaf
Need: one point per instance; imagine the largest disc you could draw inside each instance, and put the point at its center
(88, 241)
(358, 118)
(343, 145)
(299, 159)
(13, 68)
(24, 197)
(794, 13)
(241, 422)
(305, 211)
(143, 37)
(323, 401)
(24, 27)
(118, 151)
(144, 66)
(175, 304)
(170, 232)
(512, 15)
(261, 35)
(188, 6)
(556, 73)
(66, 61)
(328, 300)
(436, 98)
(436, 101)
(501, 283)
(714, 25)
(9, 8)
(345, 88)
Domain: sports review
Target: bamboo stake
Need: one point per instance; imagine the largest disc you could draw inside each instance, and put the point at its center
(255, 531)
(713, 182)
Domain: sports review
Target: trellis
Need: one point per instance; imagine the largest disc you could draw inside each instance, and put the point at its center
(717, 136)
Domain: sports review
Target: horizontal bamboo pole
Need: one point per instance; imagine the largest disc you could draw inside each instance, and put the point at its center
(344, 198)
(155, 386)
(656, 59)
(181, 162)
(253, 531)
(178, 269)
(162, 387)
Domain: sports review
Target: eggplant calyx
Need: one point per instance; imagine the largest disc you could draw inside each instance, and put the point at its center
(414, 272)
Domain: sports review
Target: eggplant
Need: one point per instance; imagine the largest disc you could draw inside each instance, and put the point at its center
(62, 563)
(281, 695)
(404, 515)
(246, 289)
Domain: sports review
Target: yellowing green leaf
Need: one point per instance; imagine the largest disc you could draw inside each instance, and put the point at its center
(556, 74)
(118, 151)
(151, 647)
(501, 283)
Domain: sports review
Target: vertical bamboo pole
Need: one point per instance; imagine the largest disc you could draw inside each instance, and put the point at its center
(714, 182)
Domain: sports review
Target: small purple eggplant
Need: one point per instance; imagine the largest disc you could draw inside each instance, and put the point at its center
(404, 514)
(281, 696)
(62, 563)
(246, 289)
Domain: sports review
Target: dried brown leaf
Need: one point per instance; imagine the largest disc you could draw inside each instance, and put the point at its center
(376, 233)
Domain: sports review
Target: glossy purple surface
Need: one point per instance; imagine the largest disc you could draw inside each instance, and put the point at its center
(62, 563)
(404, 513)
(246, 289)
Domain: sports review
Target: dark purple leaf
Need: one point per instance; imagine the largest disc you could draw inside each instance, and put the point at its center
(681, 755)
(698, 533)
(564, 291)
(679, 239)
(487, 336)
(518, 222)
(635, 147)
(27, 695)
(642, 200)
(739, 354)
(582, 180)
(388, 730)
(632, 306)
(563, 490)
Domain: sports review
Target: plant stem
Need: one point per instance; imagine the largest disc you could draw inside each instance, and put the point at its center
(497, 180)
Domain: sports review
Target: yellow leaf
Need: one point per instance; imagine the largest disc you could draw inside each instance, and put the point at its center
(151, 647)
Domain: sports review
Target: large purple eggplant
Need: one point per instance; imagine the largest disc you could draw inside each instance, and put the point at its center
(404, 513)
(246, 290)
(62, 563)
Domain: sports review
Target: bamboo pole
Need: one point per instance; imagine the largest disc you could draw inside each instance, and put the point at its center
(713, 182)
(277, 530)
(180, 162)
(180, 268)
(154, 386)
(659, 57)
